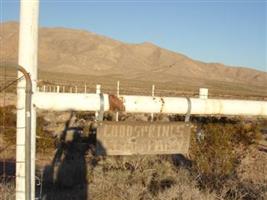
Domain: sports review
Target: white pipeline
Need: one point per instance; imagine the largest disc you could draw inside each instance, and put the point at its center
(179, 105)
(69, 101)
(148, 104)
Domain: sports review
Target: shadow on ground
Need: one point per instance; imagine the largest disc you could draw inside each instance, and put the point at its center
(7, 170)
(66, 176)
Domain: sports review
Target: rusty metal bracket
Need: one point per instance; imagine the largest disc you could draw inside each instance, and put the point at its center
(115, 103)
(188, 113)
(102, 108)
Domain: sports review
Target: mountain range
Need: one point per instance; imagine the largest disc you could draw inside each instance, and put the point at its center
(79, 52)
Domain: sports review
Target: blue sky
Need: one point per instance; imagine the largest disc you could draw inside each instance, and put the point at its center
(232, 32)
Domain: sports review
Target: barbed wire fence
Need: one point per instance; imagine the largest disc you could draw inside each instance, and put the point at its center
(7, 137)
(134, 89)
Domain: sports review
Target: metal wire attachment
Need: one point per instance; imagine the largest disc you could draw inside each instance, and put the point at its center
(102, 107)
(188, 113)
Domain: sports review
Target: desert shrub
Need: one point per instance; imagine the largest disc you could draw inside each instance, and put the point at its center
(7, 190)
(8, 121)
(247, 133)
(142, 178)
(90, 116)
(8, 115)
(217, 153)
(85, 115)
(236, 190)
(8, 124)
(44, 140)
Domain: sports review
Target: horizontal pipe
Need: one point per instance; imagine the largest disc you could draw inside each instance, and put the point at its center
(179, 105)
(148, 104)
(69, 101)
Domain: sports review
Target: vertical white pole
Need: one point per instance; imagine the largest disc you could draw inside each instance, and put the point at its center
(98, 91)
(58, 89)
(118, 94)
(76, 89)
(44, 88)
(28, 46)
(85, 88)
(118, 88)
(153, 94)
(203, 93)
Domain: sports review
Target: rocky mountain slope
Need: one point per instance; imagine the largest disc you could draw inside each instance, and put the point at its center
(82, 52)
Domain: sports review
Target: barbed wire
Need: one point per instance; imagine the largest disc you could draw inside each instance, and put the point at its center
(11, 83)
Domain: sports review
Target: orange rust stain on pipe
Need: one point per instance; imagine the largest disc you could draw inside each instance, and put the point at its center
(115, 103)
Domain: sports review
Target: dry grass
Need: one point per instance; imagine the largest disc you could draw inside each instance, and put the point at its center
(8, 124)
(142, 177)
(7, 191)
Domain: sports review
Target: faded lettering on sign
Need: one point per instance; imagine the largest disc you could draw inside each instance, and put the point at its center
(130, 138)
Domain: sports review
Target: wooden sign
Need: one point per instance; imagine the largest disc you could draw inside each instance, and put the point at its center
(132, 138)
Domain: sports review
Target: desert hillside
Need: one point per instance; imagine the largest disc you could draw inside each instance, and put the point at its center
(82, 52)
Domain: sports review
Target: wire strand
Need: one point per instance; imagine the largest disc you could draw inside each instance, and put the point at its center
(11, 83)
